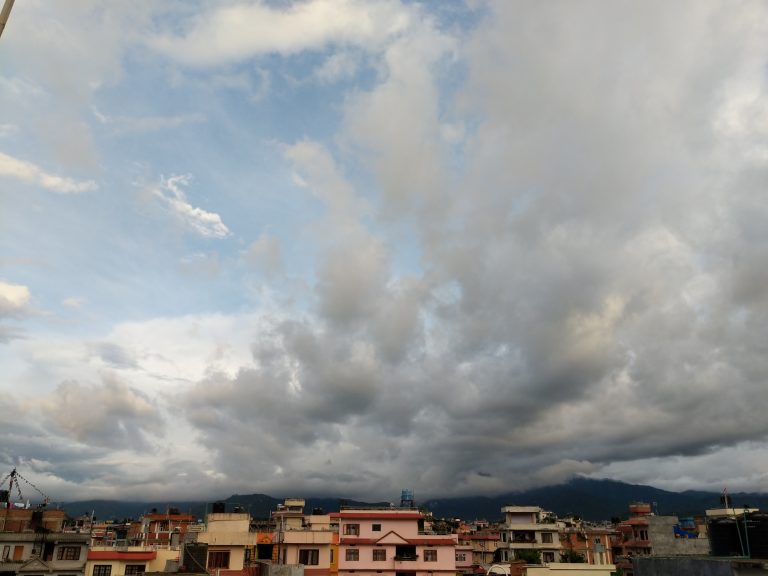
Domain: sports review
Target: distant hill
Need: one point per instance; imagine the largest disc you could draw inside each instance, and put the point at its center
(592, 500)
(584, 497)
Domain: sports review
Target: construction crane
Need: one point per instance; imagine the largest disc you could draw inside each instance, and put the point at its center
(4, 13)
(13, 478)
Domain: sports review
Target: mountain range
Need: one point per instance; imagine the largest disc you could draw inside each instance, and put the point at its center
(584, 497)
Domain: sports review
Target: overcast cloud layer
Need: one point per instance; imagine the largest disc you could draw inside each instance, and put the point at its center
(352, 246)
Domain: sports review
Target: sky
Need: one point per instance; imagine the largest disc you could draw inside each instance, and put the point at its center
(347, 247)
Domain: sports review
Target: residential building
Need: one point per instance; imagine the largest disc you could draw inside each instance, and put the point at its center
(227, 543)
(32, 541)
(130, 560)
(392, 542)
(646, 534)
(464, 559)
(483, 544)
(528, 528)
(162, 528)
(592, 543)
(302, 539)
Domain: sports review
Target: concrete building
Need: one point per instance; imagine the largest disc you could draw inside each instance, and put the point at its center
(32, 542)
(130, 560)
(464, 563)
(592, 543)
(229, 541)
(392, 542)
(650, 535)
(692, 566)
(306, 540)
(483, 544)
(162, 528)
(524, 528)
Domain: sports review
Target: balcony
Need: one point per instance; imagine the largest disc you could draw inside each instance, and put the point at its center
(406, 557)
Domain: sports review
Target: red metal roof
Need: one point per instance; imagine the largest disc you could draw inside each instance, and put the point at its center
(121, 555)
(414, 541)
(379, 515)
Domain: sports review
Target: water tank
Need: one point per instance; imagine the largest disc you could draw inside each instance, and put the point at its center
(195, 557)
(724, 538)
(757, 529)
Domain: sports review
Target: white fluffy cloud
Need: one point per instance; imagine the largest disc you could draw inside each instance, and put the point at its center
(13, 298)
(245, 29)
(32, 174)
(202, 222)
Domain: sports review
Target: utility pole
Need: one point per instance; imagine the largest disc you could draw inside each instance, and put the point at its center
(6, 11)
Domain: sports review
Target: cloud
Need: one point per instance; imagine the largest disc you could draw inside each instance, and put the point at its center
(13, 298)
(135, 124)
(111, 415)
(338, 66)
(206, 224)
(32, 174)
(244, 30)
(74, 302)
(265, 255)
(533, 246)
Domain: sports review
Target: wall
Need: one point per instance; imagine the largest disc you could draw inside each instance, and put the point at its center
(649, 566)
(570, 570)
(664, 543)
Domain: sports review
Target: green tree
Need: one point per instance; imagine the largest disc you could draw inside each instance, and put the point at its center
(530, 556)
(572, 557)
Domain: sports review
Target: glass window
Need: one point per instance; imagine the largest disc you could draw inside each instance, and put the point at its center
(310, 557)
(218, 559)
(68, 553)
(102, 570)
(430, 555)
(379, 554)
(353, 554)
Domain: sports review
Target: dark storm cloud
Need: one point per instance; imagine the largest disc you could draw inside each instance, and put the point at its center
(592, 286)
(110, 414)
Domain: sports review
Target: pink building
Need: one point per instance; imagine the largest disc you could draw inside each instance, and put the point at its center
(392, 542)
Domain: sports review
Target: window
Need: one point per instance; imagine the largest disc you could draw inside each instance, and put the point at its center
(503, 536)
(597, 540)
(68, 553)
(217, 559)
(379, 554)
(6, 552)
(18, 553)
(353, 555)
(546, 537)
(102, 570)
(331, 555)
(309, 557)
(352, 530)
(430, 555)
(548, 556)
(461, 557)
(376, 528)
(135, 569)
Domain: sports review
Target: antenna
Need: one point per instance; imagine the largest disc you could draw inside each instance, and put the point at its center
(4, 14)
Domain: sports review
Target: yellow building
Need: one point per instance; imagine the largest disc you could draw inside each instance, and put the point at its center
(128, 560)
(229, 540)
(307, 540)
